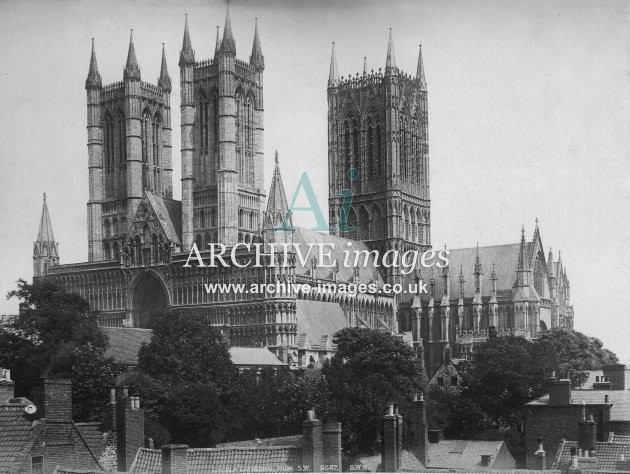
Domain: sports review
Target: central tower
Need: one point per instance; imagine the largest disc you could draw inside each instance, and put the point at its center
(378, 148)
(222, 143)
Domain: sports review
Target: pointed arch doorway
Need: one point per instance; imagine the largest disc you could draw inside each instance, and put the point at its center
(149, 298)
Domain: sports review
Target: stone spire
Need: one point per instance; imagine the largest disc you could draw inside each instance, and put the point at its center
(257, 59)
(217, 44)
(390, 64)
(165, 80)
(93, 78)
(228, 44)
(45, 249)
(277, 207)
(493, 277)
(461, 281)
(187, 55)
(522, 257)
(364, 65)
(333, 76)
(132, 71)
(550, 265)
(478, 271)
(420, 72)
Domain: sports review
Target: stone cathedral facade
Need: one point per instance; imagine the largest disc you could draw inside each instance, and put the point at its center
(140, 236)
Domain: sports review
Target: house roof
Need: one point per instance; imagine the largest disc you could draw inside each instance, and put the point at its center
(592, 374)
(124, 344)
(319, 318)
(17, 435)
(607, 455)
(227, 460)
(620, 400)
(95, 438)
(293, 440)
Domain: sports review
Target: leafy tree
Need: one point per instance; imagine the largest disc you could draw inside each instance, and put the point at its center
(57, 335)
(189, 360)
(370, 370)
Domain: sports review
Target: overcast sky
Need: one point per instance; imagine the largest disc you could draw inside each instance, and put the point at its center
(528, 117)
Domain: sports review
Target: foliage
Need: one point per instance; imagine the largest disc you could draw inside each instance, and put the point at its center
(370, 370)
(56, 335)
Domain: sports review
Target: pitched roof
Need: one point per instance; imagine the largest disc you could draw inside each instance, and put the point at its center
(462, 454)
(293, 440)
(254, 356)
(608, 456)
(303, 237)
(319, 318)
(620, 400)
(45, 238)
(277, 206)
(95, 438)
(17, 435)
(228, 460)
(592, 374)
(169, 213)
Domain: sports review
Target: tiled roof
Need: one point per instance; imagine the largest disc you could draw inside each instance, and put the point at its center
(410, 463)
(254, 356)
(319, 318)
(458, 454)
(93, 436)
(294, 440)
(608, 455)
(17, 435)
(620, 399)
(240, 459)
(620, 439)
(346, 272)
(124, 343)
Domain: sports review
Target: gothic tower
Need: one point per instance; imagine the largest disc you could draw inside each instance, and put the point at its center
(378, 149)
(222, 143)
(45, 249)
(129, 148)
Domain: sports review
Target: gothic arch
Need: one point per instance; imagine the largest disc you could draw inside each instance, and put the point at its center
(147, 296)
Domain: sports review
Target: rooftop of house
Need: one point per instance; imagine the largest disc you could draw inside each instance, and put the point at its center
(620, 400)
(234, 459)
(17, 433)
(608, 456)
(595, 375)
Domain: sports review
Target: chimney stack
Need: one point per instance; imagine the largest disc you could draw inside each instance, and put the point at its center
(57, 400)
(541, 455)
(559, 392)
(616, 374)
(129, 429)
(109, 422)
(419, 424)
(587, 433)
(174, 459)
(312, 449)
(7, 386)
(389, 456)
(332, 446)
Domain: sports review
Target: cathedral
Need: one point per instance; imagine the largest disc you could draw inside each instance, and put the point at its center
(140, 237)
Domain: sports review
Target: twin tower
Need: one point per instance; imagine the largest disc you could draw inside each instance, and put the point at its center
(377, 137)
(129, 147)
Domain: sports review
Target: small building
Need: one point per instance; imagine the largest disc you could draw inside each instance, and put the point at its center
(447, 375)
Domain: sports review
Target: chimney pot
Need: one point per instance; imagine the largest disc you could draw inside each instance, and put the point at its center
(125, 392)
(390, 410)
(414, 397)
(112, 395)
(7, 374)
(310, 415)
(606, 398)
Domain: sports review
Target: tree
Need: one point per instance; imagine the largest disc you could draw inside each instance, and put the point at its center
(577, 353)
(370, 370)
(57, 335)
(189, 360)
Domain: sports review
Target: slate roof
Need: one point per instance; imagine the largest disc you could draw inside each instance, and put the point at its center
(17, 435)
(346, 273)
(620, 399)
(319, 318)
(228, 460)
(608, 455)
(592, 374)
(169, 213)
(254, 356)
(124, 344)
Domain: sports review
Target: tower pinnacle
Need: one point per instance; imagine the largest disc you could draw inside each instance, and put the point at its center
(420, 72)
(187, 55)
(257, 59)
(333, 76)
(228, 44)
(132, 71)
(93, 78)
(164, 80)
(390, 64)
(217, 44)
(45, 251)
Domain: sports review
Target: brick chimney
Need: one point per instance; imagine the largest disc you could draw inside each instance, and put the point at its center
(174, 459)
(559, 391)
(312, 448)
(109, 421)
(57, 400)
(332, 446)
(541, 456)
(7, 386)
(587, 433)
(419, 425)
(616, 374)
(129, 429)
(389, 456)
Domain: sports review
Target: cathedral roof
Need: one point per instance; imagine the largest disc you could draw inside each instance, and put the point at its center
(318, 319)
(169, 213)
(277, 206)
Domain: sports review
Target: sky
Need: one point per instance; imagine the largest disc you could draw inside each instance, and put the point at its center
(528, 117)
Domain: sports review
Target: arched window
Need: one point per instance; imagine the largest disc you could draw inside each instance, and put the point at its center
(199, 242)
(370, 149)
(157, 152)
(402, 147)
(107, 251)
(138, 250)
(355, 145)
(379, 151)
(203, 124)
(346, 143)
(240, 142)
(202, 219)
(107, 228)
(116, 251)
(147, 149)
